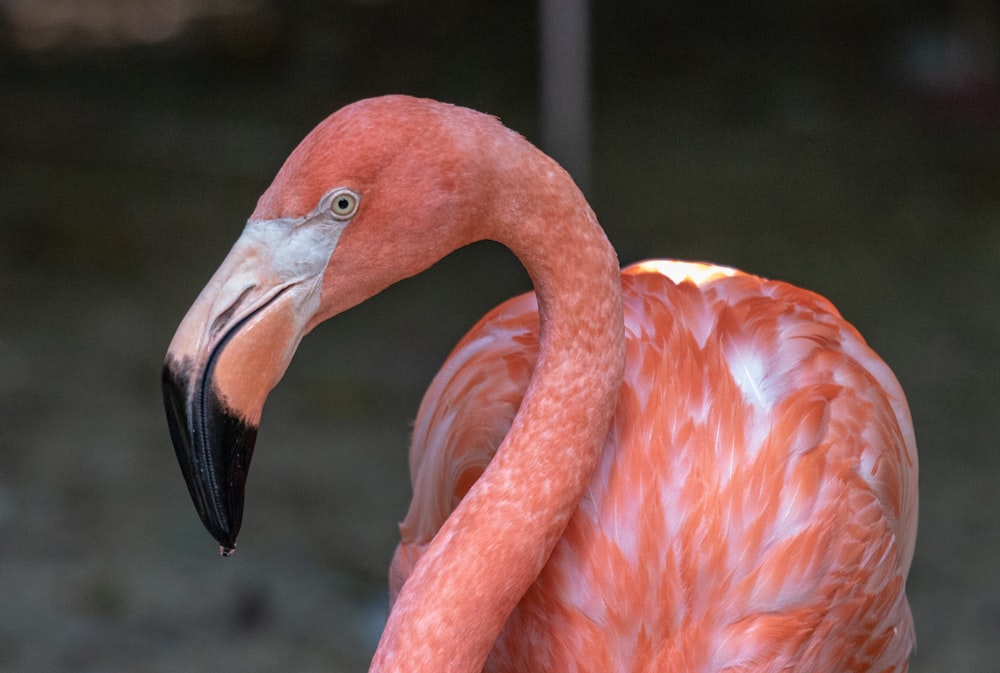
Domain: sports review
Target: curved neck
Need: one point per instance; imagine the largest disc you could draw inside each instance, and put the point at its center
(493, 546)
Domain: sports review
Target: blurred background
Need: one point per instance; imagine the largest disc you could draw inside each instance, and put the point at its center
(849, 147)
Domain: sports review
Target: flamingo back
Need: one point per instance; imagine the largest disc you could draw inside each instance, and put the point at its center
(755, 503)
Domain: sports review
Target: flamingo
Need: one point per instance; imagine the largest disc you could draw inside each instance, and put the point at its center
(669, 467)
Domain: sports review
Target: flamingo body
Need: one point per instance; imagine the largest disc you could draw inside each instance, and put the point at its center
(675, 467)
(754, 496)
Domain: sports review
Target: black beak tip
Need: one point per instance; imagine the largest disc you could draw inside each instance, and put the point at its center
(213, 446)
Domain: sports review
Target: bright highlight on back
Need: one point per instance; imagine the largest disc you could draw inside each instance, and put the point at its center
(679, 271)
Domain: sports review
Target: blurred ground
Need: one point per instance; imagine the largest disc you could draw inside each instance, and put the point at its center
(834, 147)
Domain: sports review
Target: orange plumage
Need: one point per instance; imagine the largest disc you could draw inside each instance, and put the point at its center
(755, 494)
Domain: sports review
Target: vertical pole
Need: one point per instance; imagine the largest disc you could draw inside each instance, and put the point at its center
(565, 85)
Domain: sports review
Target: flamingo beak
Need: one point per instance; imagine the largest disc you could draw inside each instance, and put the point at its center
(230, 350)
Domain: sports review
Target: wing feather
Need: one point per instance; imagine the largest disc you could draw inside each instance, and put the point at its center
(756, 494)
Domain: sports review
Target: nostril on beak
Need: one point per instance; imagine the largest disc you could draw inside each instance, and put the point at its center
(223, 318)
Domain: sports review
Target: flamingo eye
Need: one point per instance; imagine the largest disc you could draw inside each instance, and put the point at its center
(343, 204)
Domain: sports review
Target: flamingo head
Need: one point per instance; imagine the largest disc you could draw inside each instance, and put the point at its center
(377, 192)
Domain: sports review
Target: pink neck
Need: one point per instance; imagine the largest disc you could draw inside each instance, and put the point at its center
(493, 546)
